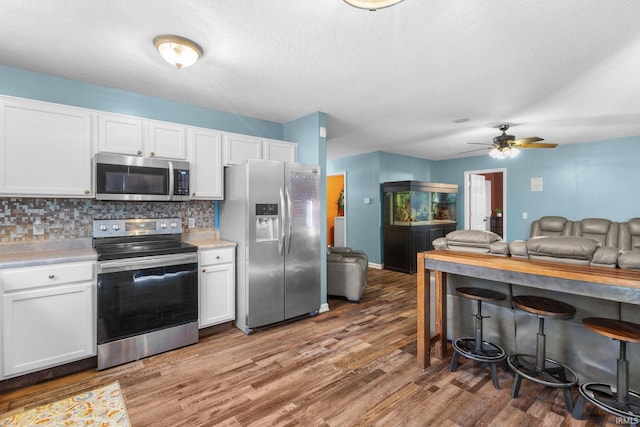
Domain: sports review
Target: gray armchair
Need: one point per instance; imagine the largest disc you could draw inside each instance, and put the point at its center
(346, 273)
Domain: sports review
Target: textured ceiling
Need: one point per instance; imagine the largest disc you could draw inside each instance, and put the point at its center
(422, 78)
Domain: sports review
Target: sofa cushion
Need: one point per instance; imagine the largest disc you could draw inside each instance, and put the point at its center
(606, 255)
(629, 260)
(563, 246)
(473, 238)
(551, 226)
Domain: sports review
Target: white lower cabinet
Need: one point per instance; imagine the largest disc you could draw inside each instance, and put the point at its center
(217, 286)
(48, 316)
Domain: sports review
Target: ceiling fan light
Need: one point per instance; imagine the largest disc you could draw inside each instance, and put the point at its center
(178, 51)
(496, 154)
(372, 4)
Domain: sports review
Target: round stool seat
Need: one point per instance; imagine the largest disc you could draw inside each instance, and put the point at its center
(618, 400)
(544, 307)
(612, 328)
(480, 294)
(538, 368)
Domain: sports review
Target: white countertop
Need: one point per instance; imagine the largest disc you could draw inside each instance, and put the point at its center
(43, 252)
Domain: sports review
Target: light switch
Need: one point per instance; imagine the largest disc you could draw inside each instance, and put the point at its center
(524, 215)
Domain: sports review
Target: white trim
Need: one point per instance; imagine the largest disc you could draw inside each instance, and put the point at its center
(376, 266)
(344, 180)
(467, 213)
(323, 308)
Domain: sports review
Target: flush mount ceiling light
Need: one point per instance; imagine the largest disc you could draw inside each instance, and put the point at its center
(372, 4)
(177, 51)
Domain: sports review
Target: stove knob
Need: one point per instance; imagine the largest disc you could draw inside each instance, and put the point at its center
(174, 225)
(104, 227)
(115, 227)
(163, 225)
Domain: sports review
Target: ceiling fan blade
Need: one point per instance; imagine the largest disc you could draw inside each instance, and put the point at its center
(545, 145)
(526, 140)
(479, 143)
(471, 151)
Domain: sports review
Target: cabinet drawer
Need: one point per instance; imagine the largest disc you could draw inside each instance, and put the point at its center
(16, 279)
(217, 256)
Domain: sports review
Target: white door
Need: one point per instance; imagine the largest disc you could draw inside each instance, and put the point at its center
(478, 203)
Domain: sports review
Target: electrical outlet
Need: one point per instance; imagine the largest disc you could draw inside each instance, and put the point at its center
(38, 227)
(192, 223)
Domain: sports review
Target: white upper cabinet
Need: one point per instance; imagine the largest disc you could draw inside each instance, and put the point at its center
(45, 149)
(280, 150)
(238, 148)
(167, 140)
(206, 174)
(120, 135)
(137, 137)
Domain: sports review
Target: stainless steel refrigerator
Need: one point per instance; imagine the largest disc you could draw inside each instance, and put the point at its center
(271, 210)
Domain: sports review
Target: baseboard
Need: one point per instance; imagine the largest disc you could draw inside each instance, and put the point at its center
(376, 266)
(323, 308)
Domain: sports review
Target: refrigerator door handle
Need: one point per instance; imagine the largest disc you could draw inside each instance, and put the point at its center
(281, 220)
(287, 245)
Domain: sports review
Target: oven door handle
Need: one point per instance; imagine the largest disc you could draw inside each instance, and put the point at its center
(129, 264)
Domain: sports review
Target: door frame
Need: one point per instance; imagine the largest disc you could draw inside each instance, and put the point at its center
(343, 174)
(467, 199)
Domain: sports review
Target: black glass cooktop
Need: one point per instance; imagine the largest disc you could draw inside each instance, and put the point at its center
(109, 249)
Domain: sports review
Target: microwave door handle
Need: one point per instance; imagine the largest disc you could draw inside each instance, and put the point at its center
(281, 224)
(171, 181)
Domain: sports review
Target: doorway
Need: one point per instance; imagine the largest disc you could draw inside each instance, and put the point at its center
(485, 204)
(336, 209)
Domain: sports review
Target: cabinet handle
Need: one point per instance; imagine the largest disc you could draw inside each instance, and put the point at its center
(139, 152)
(87, 191)
(193, 194)
(52, 276)
(152, 153)
(204, 270)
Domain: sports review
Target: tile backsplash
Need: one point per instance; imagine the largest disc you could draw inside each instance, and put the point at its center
(72, 218)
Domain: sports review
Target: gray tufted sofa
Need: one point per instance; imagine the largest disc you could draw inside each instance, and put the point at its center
(590, 241)
(347, 273)
(477, 241)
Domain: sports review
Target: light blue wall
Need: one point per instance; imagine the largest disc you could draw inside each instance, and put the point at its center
(312, 149)
(598, 179)
(364, 176)
(27, 84)
(587, 180)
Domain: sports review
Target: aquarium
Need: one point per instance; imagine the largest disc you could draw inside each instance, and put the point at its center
(415, 203)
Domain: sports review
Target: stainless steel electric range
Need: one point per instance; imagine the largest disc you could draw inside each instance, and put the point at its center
(147, 289)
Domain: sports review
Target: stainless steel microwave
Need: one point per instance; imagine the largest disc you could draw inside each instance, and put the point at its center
(133, 178)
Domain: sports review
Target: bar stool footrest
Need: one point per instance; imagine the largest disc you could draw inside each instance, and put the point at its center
(553, 375)
(489, 353)
(605, 397)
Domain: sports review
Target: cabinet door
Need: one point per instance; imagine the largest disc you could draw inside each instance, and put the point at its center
(217, 288)
(206, 177)
(120, 135)
(280, 150)
(45, 150)
(237, 148)
(47, 327)
(166, 140)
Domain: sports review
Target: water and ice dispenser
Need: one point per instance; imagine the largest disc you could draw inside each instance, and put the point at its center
(267, 225)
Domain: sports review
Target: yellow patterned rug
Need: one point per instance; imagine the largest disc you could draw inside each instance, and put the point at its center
(102, 407)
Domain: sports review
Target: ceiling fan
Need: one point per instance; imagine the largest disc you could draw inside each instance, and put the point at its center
(506, 145)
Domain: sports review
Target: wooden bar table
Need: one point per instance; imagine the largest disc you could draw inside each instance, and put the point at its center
(599, 282)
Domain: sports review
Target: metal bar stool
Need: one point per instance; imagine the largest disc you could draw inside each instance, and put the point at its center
(476, 348)
(538, 368)
(619, 401)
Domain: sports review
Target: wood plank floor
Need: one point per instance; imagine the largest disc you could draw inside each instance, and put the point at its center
(354, 365)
